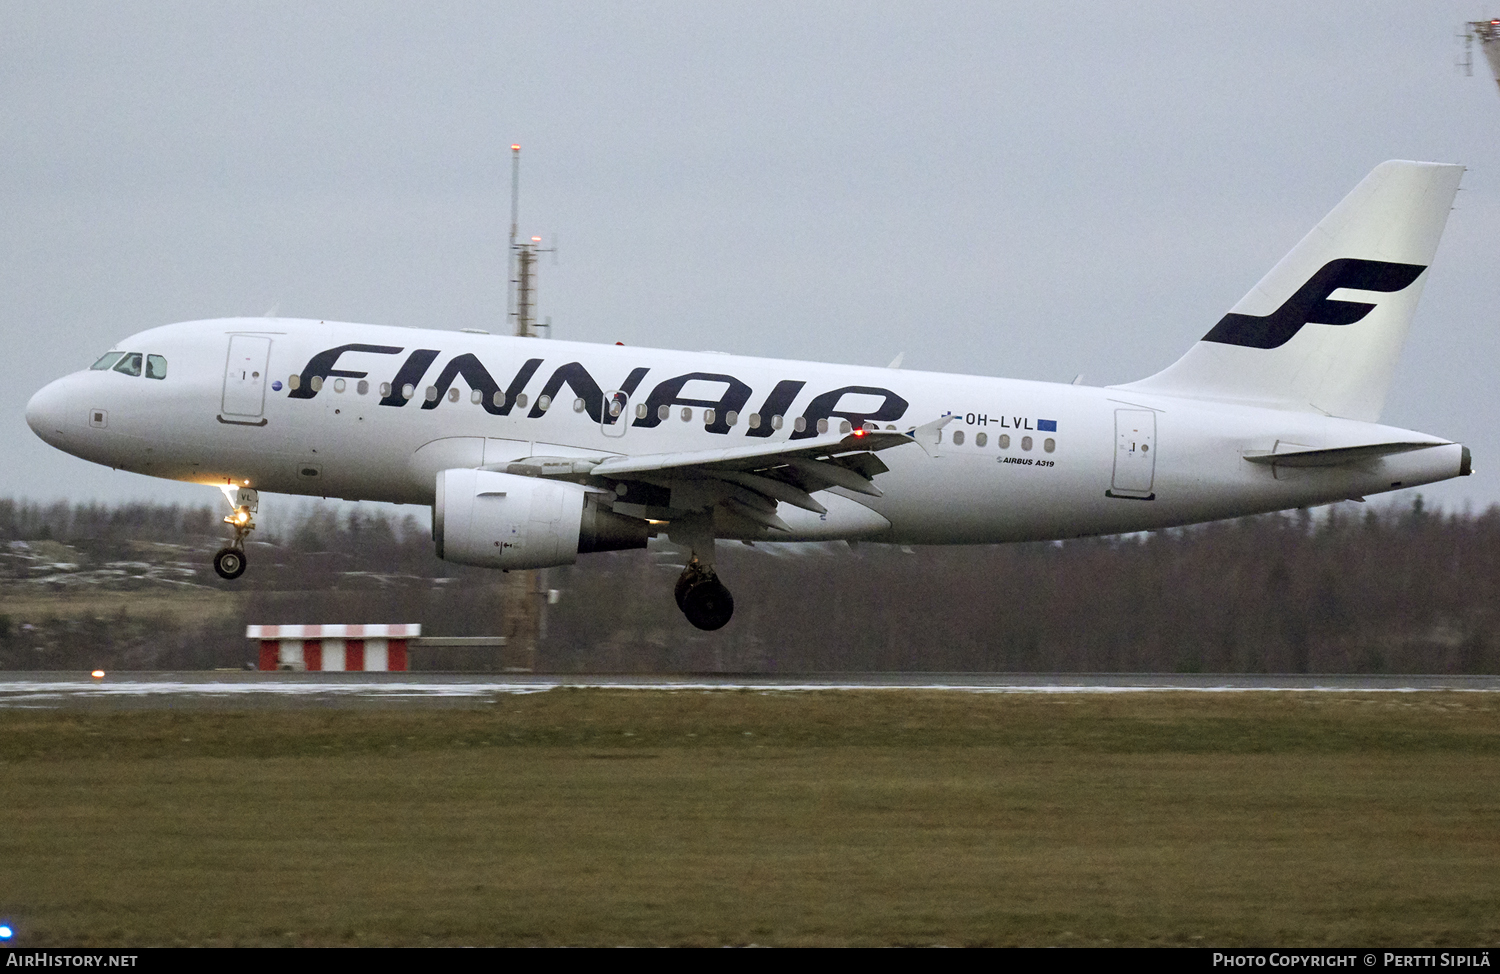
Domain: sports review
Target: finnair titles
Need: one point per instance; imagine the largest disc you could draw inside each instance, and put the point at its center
(531, 453)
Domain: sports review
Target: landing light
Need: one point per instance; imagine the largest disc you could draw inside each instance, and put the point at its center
(97, 674)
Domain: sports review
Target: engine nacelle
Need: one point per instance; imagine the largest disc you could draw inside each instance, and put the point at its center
(502, 520)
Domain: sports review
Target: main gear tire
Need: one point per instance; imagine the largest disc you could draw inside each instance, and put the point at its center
(707, 604)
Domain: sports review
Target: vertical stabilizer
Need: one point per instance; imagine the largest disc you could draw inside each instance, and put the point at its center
(1322, 331)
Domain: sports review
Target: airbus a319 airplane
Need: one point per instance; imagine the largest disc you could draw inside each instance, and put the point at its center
(534, 452)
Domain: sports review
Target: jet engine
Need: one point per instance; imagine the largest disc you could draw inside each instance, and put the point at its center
(502, 520)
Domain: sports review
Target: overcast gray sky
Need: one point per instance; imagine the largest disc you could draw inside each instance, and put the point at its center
(1025, 190)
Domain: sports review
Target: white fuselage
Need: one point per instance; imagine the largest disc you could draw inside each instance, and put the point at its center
(1034, 460)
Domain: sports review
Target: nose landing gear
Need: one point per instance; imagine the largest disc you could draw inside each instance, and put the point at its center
(702, 597)
(229, 562)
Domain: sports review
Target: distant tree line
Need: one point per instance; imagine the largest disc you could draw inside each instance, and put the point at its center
(1352, 589)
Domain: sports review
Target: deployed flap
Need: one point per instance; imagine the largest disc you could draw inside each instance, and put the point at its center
(745, 483)
(749, 480)
(1322, 331)
(755, 457)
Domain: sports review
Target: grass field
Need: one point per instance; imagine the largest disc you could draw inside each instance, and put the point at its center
(178, 607)
(645, 817)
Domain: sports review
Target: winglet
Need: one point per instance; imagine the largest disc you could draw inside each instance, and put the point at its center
(929, 435)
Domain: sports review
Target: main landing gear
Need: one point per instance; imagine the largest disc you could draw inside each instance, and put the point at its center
(702, 597)
(230, 562)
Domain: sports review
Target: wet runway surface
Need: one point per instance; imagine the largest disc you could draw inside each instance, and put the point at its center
(234, 689)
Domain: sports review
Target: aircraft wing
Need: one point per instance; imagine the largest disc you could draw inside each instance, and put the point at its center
(752, 479)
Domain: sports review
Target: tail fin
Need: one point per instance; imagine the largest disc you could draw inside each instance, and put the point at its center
(1288, 344)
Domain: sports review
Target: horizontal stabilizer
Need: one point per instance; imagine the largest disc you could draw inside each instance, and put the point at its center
(1336, 457)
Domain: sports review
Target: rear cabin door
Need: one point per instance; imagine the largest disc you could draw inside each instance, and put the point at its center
(245, 375)
(1135, 454)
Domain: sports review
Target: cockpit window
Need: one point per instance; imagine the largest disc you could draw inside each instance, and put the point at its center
(109, 359)
(156, 367)
(130, 363)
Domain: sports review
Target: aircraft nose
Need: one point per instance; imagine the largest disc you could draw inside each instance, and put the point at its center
(47, 412)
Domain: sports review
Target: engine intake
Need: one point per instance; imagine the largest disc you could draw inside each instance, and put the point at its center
(501, 520)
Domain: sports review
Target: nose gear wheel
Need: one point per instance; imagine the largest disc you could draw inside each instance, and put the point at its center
(229, 563)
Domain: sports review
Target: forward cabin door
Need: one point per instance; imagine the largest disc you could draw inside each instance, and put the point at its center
(1135, 454)
(245, 376)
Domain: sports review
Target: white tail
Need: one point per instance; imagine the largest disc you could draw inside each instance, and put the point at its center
(1288, 344)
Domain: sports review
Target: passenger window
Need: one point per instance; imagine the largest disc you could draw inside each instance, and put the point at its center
(108, 361)
(958, 437)
(130, 363)
(1005, 441)
(980, 439)
(1025, 442)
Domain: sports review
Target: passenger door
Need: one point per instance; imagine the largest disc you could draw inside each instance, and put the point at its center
(1135, 454)
(245, 376)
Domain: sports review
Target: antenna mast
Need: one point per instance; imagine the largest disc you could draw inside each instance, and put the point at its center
(521, 297)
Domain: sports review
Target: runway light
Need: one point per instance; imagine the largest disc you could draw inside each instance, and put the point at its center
(97, 674)
(6, 932)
